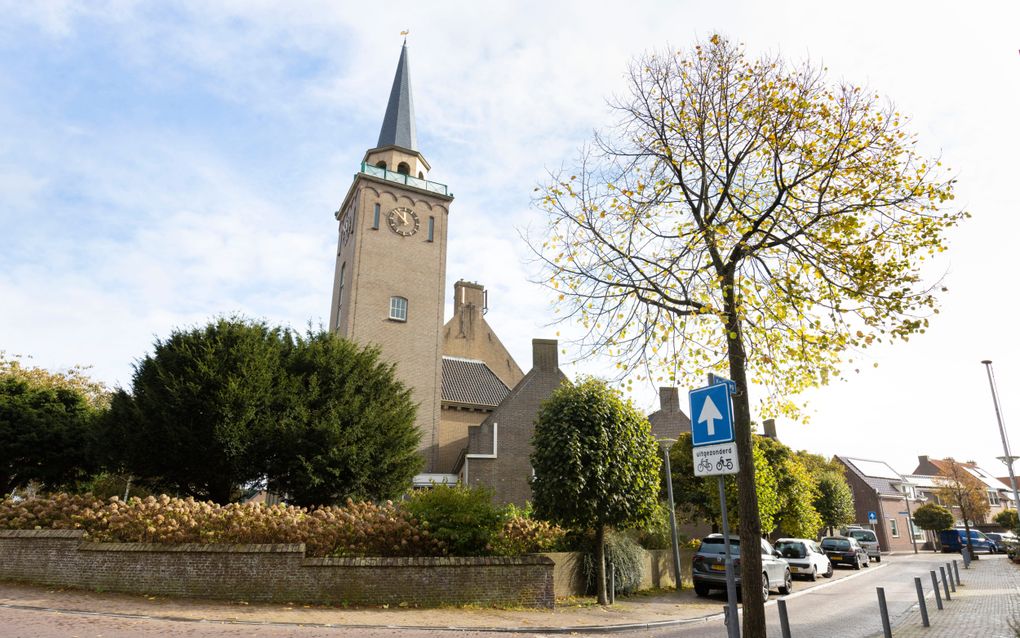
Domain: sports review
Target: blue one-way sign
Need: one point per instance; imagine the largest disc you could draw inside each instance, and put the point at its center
(711, 415)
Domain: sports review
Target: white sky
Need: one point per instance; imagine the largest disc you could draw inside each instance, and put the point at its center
(162, 166)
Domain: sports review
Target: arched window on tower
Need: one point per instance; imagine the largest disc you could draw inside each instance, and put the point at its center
(403, 168)
(381, 165)
(340, 291)
(421, 175)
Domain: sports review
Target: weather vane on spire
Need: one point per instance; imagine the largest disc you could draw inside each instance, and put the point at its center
(404, 33)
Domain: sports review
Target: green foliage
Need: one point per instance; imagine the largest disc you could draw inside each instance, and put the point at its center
(1008, 519)
(959, 488)
(462, 518)
(796, 491)
(655, 534)
(835, 500)
(348, 429)
(623, 552)
(785, 488)
(595, 461)
(105, 485)
(46, 426)
(216, 408)
(933, 517)
(200, 408)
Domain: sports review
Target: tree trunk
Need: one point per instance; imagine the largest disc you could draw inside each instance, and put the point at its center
(600, 558)
(747, 494)
(966, 527)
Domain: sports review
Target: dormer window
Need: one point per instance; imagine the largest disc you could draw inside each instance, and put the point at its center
(403, 168)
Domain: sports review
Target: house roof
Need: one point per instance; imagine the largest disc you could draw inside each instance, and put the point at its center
(986, 478)
(472, 382)
(877, 474)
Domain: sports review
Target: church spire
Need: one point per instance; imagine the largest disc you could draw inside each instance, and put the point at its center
(398, 125)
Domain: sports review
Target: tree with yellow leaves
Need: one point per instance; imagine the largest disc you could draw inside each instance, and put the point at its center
(745, 216)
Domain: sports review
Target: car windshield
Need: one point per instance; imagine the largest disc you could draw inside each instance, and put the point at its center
(836, 543)
(790, 549)
(714, 545)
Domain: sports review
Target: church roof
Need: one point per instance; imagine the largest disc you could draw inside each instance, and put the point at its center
(398, 124)
(472, 382)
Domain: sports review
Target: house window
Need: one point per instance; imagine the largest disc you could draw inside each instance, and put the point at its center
(398, 309)
(375, 217)
(432, 228)
(894, 527)
(993, 498)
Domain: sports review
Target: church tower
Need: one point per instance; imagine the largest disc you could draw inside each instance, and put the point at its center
(388, 286)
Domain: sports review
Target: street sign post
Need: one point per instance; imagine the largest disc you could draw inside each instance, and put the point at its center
(715, 454)
(873, 518)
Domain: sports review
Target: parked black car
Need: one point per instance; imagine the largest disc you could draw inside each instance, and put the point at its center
(843, 550)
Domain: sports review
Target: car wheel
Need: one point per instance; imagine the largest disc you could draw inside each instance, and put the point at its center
(857, 563)
(787, 584)
(878, 559)
(764, 586)
(867, 562)
(701, 589)
(828, 574)
(814, 573)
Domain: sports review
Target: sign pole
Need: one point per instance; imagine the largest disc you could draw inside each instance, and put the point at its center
(733, 627)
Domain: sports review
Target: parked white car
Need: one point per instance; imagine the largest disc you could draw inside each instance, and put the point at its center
(805, 557)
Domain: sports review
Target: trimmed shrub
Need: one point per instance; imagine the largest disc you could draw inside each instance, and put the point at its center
(522, 535)
(462, 518)
(358, 529)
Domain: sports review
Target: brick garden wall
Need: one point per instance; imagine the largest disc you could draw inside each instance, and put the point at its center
(271, 573)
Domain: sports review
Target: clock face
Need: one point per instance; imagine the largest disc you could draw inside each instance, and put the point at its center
(403, 221)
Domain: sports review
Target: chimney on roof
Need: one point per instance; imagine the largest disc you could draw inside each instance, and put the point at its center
(923, 460)
(770, 429)
(544, 354)
(469, 293)
(669, 399)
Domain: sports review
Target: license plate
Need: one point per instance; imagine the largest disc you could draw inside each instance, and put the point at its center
(718, 568)
(836, 557)
(795, 569)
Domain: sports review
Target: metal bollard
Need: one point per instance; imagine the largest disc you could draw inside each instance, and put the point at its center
(612, 583)
(784, 619)
(935, 586)
(966, 557)
(884, 610)
(952, 581)
(945, 584)
(920, 602)
(956, 568)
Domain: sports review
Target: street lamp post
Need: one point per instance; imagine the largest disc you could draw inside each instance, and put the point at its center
(1008, 458)
(910, 516)
(666, 444)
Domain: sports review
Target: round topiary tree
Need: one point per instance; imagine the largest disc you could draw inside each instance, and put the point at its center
(933, 518)
(596, 464)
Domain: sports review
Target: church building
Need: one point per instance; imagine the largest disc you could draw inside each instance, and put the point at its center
(476, 407)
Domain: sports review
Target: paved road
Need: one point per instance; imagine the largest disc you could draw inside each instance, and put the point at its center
(845, 607)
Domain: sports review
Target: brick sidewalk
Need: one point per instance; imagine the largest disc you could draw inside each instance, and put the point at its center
(982, 606)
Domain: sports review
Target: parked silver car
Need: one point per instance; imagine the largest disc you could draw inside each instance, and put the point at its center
(709, 567)
(867, 539)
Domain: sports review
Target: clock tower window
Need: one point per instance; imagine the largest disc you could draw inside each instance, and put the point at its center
(403, 168)
(375, 217)
(381, 165)
(398, 309)
(432, 228)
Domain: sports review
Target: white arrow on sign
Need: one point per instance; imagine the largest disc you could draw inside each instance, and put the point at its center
(709, 414)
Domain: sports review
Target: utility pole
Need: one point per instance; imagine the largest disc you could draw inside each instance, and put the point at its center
(1008, 459)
